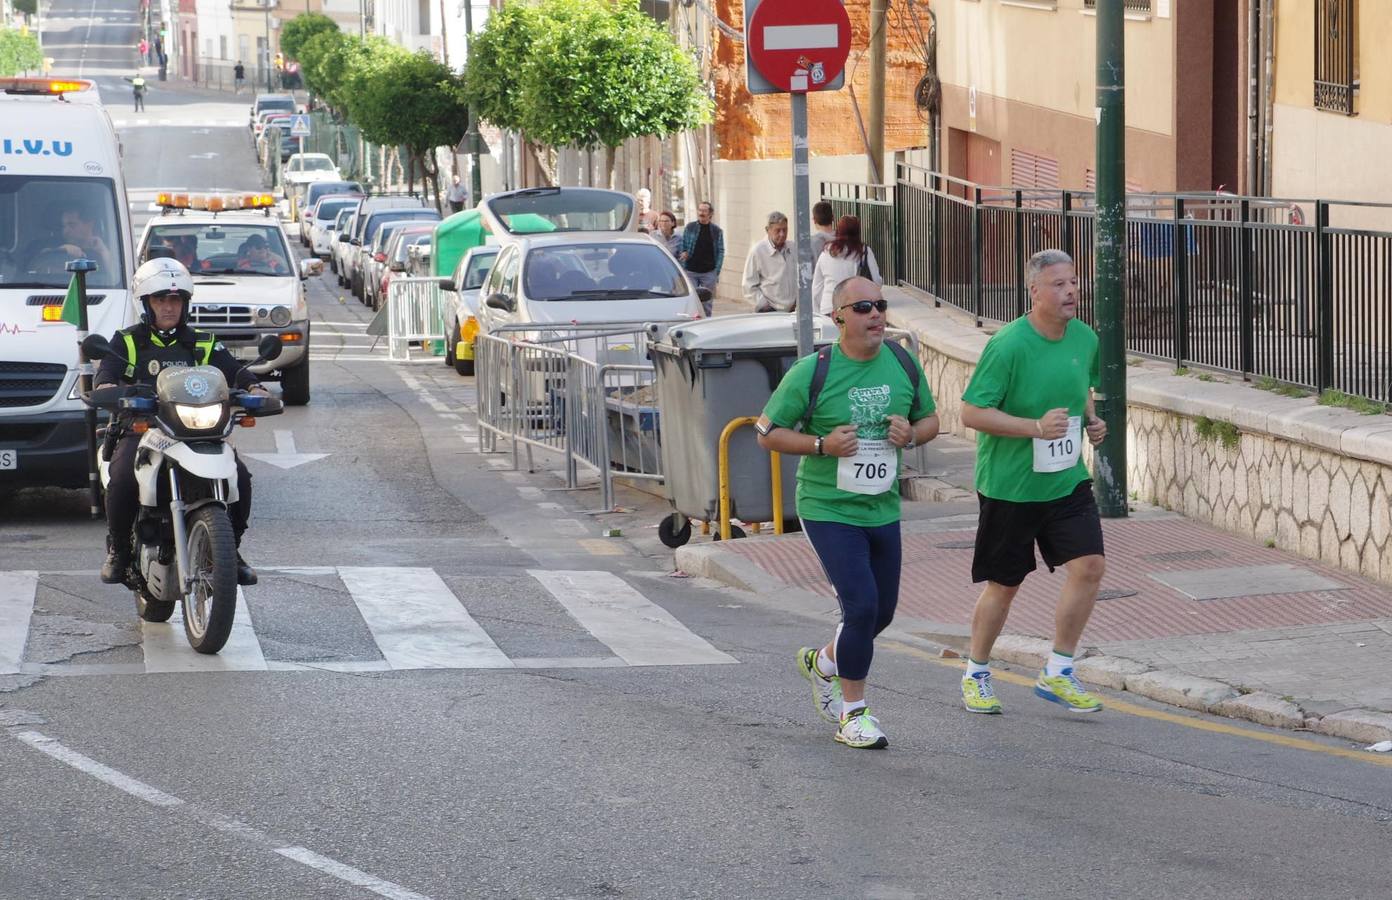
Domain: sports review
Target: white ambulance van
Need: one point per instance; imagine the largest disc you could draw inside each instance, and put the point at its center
(62, 197)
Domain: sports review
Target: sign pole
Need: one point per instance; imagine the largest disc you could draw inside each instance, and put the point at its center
(801, 217)
(80, 268)
(1110, 253)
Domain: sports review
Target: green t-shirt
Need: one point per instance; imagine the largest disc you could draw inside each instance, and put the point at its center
(856, 393)
(1025, 374)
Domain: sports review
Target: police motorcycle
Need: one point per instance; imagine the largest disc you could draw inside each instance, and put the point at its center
(182, 545)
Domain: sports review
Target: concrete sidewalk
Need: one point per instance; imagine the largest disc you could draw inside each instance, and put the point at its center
(1189, 614)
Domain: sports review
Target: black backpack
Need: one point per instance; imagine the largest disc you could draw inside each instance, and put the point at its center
(819, 377)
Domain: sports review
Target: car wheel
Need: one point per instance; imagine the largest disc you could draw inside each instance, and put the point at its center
(294, 384)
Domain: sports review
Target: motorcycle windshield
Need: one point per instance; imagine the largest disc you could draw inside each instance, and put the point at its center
(193, 385)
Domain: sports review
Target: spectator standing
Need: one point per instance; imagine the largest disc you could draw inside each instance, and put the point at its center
(703, 249)
(823, 228)
(458, 196)
(238, 76)
(845, 257)
(770, 271)
(647, 217)
(666, 233)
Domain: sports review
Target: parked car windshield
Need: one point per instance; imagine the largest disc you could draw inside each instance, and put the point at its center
(406, 213)
(313, 164)
(231, 248)
(329, 208)
(566, 209)
(408, 241)
(45, 222)
(602, 272)
(480, 264)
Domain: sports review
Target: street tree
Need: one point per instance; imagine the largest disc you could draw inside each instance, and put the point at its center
(587, 74)
(28, 7)
(19, 52)
(327, 61)
(297, 32)
(410, 100)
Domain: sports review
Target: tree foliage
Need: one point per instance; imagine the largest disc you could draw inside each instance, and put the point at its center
(496, 57)
(28, 7)
(326, 61)
(297, 32)
(19, 52)
(583, 73)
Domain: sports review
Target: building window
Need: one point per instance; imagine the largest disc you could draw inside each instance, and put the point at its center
(1336, 63)
(1131, 6)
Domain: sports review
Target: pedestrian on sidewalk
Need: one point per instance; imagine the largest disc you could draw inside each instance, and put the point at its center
(666, 233)
(849, 410)
(1030, 401)
(845, 256)
(458, 195)
(770, 271)
(823, 228)
(238, 76)
(703, 251)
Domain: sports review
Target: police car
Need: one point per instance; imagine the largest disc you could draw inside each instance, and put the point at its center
(247, 282)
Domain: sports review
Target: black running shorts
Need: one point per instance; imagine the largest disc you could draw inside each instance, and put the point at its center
(1006, 533)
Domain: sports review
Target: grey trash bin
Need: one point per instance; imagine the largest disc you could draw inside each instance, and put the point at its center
(708, 373)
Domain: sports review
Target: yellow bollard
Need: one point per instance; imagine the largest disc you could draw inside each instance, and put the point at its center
(723, 462)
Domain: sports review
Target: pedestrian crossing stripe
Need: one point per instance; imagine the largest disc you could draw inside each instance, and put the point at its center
(413, 617)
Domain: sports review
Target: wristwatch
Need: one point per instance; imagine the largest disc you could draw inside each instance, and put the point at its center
(817, 447)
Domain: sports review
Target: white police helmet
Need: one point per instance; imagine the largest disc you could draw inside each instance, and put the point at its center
(162, 276)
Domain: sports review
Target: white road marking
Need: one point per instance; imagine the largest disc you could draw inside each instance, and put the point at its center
(166, 648)
(571, 525)
(418, 622)
(121, 782)
(349, 874)
(640, 632)
(286, 457)
(154, 796)
(17, 591)
(528, 491)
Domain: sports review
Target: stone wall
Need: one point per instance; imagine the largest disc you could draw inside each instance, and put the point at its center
(1304, 478)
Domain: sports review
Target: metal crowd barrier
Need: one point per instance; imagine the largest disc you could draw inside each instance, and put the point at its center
(415, 312)
(584, 391)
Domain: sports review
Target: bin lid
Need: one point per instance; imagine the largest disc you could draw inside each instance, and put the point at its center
(752, 331)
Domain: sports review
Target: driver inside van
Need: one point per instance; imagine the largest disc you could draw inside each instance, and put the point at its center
(254, 255)
(80, 239)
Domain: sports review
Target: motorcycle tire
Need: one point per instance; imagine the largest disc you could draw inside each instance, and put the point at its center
(211, 605)
(152, 610)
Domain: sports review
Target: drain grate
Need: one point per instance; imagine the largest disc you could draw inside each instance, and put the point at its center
(1184, 555)
(1115, 594)
(956, 545)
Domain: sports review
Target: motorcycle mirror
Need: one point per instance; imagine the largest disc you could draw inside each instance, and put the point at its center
(95, 346)
(269, 348)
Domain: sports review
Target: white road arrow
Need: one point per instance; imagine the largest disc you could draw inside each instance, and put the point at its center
(285, 456)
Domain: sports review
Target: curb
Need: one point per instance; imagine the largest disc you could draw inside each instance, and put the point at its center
(1169, 686)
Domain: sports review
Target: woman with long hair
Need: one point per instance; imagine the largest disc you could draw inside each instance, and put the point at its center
(845, 257)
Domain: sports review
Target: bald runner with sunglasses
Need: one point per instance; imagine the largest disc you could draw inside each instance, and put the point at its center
(871, 407)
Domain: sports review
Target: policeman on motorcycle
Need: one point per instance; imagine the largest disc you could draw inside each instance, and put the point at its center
(161, 340)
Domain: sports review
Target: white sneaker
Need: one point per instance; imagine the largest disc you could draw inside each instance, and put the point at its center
(826, 692)
(862, 731)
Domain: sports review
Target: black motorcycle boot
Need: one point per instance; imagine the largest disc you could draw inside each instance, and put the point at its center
(113, 571)
(246, 575)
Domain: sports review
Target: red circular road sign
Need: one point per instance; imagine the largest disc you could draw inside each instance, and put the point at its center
(799, 45)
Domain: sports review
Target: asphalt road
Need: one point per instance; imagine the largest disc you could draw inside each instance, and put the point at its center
(650, 757)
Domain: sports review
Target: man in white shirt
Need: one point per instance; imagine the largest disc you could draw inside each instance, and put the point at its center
(770, 271)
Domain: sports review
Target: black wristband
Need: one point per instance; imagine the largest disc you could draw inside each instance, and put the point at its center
(817, 447)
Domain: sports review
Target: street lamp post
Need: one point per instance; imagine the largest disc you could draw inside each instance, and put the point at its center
(472, 136)
(266, 56)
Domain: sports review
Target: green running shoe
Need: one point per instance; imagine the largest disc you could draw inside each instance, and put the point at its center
(1065, 690)
(862, 731)
(826, 692)
(979, 696)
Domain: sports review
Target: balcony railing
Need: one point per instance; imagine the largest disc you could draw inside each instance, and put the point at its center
(1141, 7)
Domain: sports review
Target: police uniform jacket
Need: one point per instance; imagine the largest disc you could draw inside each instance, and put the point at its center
(143, 354)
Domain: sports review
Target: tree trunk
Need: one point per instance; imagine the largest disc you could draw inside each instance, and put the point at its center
(609, 153)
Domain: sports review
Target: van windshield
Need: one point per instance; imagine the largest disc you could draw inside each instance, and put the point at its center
(47, 221)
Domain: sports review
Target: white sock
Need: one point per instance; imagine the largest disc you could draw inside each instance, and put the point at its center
(1057, 663)
(826, 666)
(977, 668)
(848, 707)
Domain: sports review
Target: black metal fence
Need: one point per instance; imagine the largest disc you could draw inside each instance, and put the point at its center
(1241, 284)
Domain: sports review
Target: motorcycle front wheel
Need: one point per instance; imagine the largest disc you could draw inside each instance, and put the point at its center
(211, 602)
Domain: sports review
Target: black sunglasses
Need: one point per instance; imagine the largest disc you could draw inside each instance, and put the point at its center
(863, 307)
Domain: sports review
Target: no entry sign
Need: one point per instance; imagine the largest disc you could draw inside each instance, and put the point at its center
(798, 45)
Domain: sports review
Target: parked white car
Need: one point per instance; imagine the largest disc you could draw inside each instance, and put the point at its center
(461, 325)
(303, 168)
(324, 216)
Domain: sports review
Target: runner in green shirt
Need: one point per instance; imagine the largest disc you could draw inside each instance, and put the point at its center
(1030, 402)
(872, 405)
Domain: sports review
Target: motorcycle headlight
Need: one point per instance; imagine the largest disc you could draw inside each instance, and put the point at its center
(199, 418)
(280, 317)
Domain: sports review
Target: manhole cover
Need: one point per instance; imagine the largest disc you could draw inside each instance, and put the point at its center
(1184, 555)
(1115, 594)
(956, 545)
(1246, 581)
